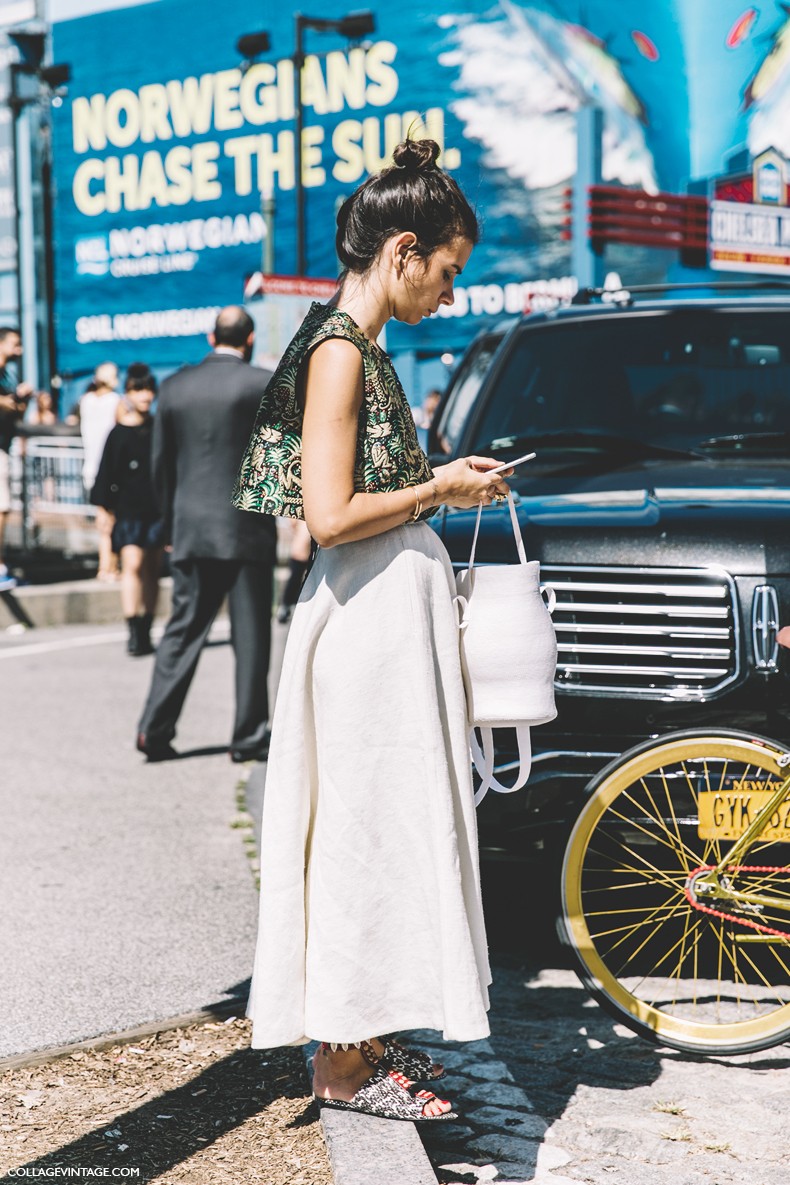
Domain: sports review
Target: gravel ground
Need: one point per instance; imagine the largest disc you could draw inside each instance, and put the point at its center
(194, 1105)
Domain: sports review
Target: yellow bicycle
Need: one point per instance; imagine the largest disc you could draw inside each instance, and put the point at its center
(676, 891)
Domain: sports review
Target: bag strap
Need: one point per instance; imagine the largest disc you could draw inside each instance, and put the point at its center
(522, 555)
(483, 758)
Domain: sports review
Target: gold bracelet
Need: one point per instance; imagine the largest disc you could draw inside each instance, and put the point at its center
(415, 514)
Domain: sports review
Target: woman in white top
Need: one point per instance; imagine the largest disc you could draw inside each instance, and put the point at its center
(98, 412)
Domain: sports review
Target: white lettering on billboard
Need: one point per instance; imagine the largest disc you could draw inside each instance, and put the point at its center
(163, 247)
(226, 101)
(134, 326)
(746, 237)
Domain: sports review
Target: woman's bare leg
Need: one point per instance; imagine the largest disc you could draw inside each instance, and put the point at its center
(108, 562)
(131, 580)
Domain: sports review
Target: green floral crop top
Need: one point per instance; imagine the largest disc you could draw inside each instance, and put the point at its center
(388, 454)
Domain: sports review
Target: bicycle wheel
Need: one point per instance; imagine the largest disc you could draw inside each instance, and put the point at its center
(677, 968)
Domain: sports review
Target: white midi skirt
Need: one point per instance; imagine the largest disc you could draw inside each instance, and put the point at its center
(370, 911)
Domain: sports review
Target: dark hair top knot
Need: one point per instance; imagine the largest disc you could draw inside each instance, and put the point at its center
(415, 155)
(413, 194)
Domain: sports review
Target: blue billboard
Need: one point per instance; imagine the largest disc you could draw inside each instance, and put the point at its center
(165, 148)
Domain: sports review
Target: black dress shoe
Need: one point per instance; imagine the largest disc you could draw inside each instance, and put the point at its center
(259, 754)
(155, 750)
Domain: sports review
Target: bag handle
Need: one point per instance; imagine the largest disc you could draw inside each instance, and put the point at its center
(522, 555)
(483, 758)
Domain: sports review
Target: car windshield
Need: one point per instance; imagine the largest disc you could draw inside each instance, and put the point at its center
(466, 383)
(681, 380)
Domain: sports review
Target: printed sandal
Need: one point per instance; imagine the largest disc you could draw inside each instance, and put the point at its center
(390, 1095)
(414, 1063)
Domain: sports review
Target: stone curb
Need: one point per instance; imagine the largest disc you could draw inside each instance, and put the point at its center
(72, 602)
(219, 1011)
(364, 1150)
(81, 602)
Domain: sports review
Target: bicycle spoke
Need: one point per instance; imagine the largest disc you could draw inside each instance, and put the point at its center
(638, 827)
(647, 975)
(607, 913)
(765, 880)
(636, 856)
(738, 974)
(678, 905)
(673, 841)
(645, 882)
(695, 799)
(723, 776)
(661, 822)
(696, 931)
(747, 958)
(718, 933)
(689, 783)
(632, 928)
(681, 959)
(782, 964)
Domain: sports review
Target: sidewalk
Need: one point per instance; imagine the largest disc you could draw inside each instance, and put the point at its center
(127, 894)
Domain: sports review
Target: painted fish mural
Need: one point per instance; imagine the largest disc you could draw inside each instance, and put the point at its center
(767, 95)
(741, 28)
(522, 74)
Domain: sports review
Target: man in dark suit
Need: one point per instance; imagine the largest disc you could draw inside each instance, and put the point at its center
(202, 426)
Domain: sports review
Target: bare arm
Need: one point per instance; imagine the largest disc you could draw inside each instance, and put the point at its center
(333, 511)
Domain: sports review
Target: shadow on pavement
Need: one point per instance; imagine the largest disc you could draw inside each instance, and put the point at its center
(550, 1044)
(186, 754)
(204, 751)
(167, 1130)
(547, 1039)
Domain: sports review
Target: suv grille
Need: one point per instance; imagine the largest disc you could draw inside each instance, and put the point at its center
(657, 633)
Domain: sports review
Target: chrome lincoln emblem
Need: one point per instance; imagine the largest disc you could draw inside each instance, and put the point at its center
(765, 625)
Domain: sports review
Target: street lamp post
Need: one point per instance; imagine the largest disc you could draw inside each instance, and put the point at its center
(15, 107)
(31, 46)
(298, 61)
(354, 26)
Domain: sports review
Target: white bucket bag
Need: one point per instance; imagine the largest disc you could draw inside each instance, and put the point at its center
(508, 655)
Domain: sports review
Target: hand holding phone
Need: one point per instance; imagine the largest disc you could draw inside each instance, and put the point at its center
(511, 464)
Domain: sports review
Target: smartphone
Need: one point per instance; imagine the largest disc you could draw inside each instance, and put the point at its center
(511, 464)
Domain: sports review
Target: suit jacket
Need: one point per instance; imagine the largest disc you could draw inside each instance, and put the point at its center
(204, 419)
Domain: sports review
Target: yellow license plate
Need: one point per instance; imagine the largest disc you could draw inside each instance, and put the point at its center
(725, 814)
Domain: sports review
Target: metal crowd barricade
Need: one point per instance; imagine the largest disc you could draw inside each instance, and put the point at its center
(47, 490)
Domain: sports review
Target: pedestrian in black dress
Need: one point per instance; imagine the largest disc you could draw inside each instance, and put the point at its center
(124, 487)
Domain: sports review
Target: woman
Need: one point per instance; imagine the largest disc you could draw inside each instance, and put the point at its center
(96, 415)
(124, 488)
(370, 913)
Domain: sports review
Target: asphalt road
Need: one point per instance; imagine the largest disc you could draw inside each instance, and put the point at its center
(127, 895)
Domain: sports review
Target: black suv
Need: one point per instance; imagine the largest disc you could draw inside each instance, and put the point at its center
(659, 507)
